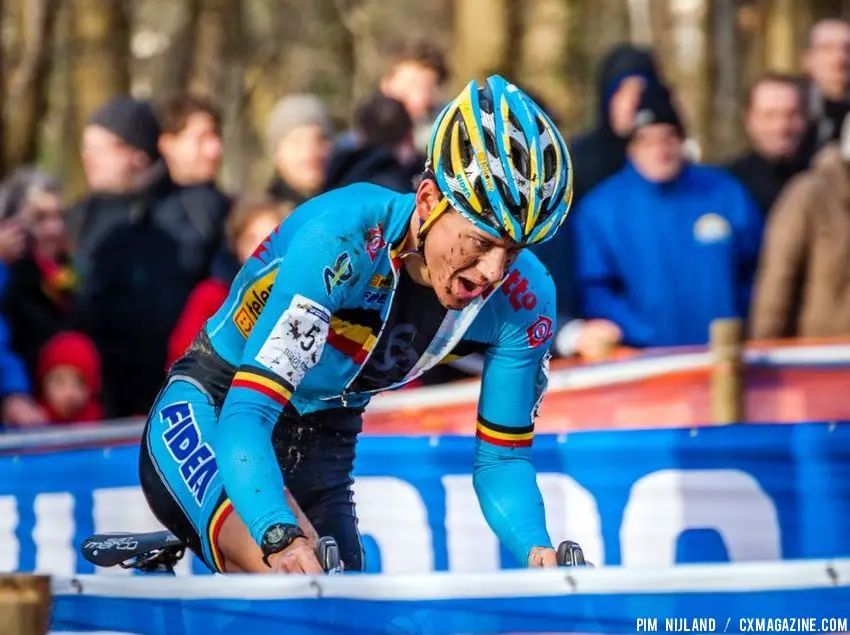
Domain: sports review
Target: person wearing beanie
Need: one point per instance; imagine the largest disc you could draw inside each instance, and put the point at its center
(663, 246)
(119, 145)
(596, 154)
(141, 243)
(69, 379)
(298, 140)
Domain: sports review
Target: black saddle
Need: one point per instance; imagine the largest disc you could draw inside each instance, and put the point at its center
(153, 551)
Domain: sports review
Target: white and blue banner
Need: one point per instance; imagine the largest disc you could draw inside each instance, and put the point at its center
(783, 597)
(645, 498)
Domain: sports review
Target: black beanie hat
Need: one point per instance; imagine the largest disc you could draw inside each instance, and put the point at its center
(132, 120)
(656, 106)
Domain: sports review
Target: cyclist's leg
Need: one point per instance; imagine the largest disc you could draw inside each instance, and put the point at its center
(177, 468)
(318, 461)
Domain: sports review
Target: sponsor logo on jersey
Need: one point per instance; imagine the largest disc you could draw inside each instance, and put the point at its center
(539, 332)
(339, 273)
(253, 303)
(516, 288)
(378, 290)
(184, 443)
(375, 241)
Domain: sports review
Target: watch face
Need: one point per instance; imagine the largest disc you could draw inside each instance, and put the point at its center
(275, 535)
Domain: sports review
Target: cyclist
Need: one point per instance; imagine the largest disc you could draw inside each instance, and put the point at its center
(362, 290)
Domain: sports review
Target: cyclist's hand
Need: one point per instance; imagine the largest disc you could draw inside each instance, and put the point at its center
(542, 557)
(298, 557)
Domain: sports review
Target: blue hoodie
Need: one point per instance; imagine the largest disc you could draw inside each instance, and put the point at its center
(662, 260)
(13, 376)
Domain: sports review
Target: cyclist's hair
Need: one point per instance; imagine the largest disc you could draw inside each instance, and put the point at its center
(246, 210)
(421, 51)
(174, 114)
(774, 77)
(383, 121)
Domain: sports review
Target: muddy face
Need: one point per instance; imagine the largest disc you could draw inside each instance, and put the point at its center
(464, 261)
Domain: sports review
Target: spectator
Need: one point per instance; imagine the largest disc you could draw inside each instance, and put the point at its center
(17, 407)
(142, 249)
(69, 379)
(383, 153)
(190, 141)
(665, 247)
(803, 283)
(775, 123)
(827, 64)
(299, 143)
(41, 282)
(247, 227)
(416, 73)
(601, 152)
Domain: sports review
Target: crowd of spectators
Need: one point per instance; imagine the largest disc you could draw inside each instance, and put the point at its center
(99, 296)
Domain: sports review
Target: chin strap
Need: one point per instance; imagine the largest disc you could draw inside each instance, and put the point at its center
(424, 226)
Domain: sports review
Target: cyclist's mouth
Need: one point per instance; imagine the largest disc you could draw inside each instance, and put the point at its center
(468, 290)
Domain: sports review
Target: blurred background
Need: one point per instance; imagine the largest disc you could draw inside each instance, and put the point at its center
(149, 145)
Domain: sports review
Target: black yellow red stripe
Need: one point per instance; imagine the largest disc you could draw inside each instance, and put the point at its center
(352, 332)
(216, 521)
(504, 436)
(263, 382)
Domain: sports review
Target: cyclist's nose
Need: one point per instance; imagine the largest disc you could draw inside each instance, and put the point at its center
(492, 264)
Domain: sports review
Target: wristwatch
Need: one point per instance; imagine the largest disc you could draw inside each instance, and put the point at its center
(277, 538)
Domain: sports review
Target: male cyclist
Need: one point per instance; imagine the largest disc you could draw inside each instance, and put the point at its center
(362, 290)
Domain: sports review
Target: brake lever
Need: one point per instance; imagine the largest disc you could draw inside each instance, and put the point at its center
(327, 553)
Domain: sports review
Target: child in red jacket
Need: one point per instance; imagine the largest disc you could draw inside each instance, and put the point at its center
(247, 226)
(69, 378)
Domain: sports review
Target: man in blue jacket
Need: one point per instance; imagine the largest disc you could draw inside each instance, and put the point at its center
(665, 247)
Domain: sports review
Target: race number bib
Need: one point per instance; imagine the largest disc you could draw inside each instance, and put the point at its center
(295, 343)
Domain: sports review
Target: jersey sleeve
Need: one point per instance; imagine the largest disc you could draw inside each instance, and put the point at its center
(283, 346)
(512, 386)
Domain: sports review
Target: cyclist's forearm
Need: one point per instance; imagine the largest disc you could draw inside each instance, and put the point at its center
(506, 485)
(249, 468)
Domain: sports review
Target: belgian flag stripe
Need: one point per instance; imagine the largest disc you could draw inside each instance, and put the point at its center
(273, 389)
(218, 518)
(504, 436)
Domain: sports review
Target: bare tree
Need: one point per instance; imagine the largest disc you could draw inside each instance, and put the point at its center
(26, 103)
(101, 67)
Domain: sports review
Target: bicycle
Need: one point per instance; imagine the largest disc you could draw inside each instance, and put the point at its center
(158, 552)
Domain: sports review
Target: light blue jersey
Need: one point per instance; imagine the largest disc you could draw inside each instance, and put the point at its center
(312, 321)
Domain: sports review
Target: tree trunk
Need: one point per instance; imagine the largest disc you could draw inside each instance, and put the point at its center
(101, 68)
(26, 103)
(725, 114)
(176, 64)
(481, 39)
(542, 52)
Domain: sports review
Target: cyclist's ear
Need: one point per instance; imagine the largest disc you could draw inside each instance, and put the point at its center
(428, 196)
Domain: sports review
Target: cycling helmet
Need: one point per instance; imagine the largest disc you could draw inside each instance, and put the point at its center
(501, 162)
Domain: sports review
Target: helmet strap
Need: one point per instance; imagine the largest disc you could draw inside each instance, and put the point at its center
(425, 225)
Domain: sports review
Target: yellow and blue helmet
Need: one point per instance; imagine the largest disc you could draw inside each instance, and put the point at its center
(501, 162)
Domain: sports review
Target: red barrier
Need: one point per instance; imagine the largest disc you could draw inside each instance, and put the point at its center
(787, 382)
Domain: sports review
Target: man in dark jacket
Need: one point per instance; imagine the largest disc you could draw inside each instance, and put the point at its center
(142, 246)
(775, 122)
(596, 154)
(665, 247)
(382, 152)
